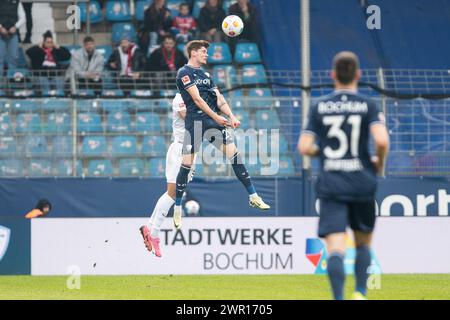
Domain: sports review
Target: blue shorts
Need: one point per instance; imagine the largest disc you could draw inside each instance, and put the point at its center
(199, 129)
(335, 216)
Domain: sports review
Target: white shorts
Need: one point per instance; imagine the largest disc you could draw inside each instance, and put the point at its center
(173, 161)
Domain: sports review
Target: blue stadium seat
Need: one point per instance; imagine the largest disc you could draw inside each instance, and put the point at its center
(141, 6)
(267, 119)
(88, 93)
(142, 105)
(147, 122)
(55, 105)
(113, 105)
(89, 122)
(87, 105)
(247, 52)
(6, 125)
(167, 123)
(113, 93)
(62, 146)
(119, 121)
(163, 104)
(105, 51)
(244, 117)
(225, 75)
(141, 93)
(28, 123)
(7, 146)
(218, 53)
(253, 74)
(124, 146)
(53, 93)
(168, 93)
(123, 28)
(173, 6)
(4, 106)
(11, 168)
(64, 168)
(2, 93)
(39, 168)
(154, 146)
(35, 145)
(198, 5)
(117, 10)
(131, 167)
(95, 12)
(260, 98)
(94, 146)
(25, 105)
(99, 168)
(157, 167)
(58, 123)
(236, 99)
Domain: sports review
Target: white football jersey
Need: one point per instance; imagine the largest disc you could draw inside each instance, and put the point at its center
(178, 122)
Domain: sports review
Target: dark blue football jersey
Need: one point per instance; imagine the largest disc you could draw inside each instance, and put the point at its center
(187, 77)
(341, 123)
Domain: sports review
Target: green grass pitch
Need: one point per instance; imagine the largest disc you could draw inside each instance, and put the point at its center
(206, 287)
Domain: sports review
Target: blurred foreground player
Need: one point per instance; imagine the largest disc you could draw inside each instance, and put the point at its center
(342, 124)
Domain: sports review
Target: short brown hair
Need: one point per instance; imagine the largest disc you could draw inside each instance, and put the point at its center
(345, 64)
(194, 45)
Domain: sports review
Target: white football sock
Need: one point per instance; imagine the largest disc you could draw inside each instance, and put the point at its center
(253, 195)
(162, 207)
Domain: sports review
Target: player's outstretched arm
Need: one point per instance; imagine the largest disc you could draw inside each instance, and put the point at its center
(198, 100)
(306, 145)
(226, 109)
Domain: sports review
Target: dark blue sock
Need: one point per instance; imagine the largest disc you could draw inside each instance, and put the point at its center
(336, 274)
(241, 173)
(362, 264)
(182, 179)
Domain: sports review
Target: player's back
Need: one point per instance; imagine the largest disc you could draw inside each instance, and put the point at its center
(342, 123)
(189, 76)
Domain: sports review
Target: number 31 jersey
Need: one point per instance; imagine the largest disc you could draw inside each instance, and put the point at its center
(341, 124)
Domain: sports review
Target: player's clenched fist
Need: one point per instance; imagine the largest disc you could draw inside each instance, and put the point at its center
(234, 122)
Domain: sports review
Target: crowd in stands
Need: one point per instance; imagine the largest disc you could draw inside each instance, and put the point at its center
(157, 48)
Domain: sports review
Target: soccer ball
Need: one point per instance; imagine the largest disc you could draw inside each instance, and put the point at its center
(192, 208)
(232, 26)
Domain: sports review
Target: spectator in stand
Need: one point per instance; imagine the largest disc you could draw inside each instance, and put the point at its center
(167, 57)
(27, 7)
(46, 61)
(157, 22)
(248, 13)
(87, 63)
(184, 25)
(210, 21)
(127, 63)
(12, 17)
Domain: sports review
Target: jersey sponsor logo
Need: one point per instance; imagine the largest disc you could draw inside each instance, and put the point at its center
(186, 80)
(205, 82)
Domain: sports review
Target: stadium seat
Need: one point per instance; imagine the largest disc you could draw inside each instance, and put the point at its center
(260, 98)
(168, 93)
(267, 119)
(39, 168)
(253, 74)
(85, 93)
(236, 99)
(28, 123)
(142, 105)
(113, 105)
(247, 52)
(64, 168)
(124, 146)
(156, 167)
(118, 121)
(62, 146)
(163, 105)
(147, 122)
(25, 105)
(2, 93)
(11, 168)
(219, 53)
(98, 168)
(140, 93)
(89, 122)
(8, 146)
(94, 146)
(95, 12)
(225, 76)
(54, 104)
(58, 123)
(113, 93)
(173, 6)
(4, 106)
(87, 105)
(131, 167)
(154, 146)
(35, 146)
(6, 126)
(123, 28)
(53, 93)
(141, 6)
(105, 51)
(117, 10)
